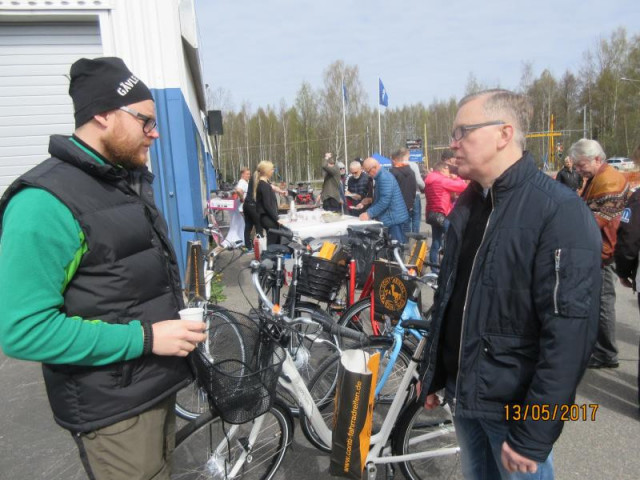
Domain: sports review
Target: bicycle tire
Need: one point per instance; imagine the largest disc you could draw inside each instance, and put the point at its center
(358, 317)
(323, 386)
(192, 401)
(415, 421)
(193, 457)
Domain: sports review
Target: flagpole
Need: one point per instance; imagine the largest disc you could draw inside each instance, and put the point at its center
(344, 124)
(379, 131)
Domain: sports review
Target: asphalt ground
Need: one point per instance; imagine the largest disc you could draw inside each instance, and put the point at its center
(32, 446)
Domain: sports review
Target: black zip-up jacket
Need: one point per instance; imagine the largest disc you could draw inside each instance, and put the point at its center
(407, 181)
(570, 178)
(531, 311)
(627, 249)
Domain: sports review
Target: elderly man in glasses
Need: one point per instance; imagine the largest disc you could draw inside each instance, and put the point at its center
(101, 312)
(516, 311)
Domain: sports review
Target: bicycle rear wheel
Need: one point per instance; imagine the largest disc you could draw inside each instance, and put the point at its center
(421, 430)
(192, 401)
(208, 448)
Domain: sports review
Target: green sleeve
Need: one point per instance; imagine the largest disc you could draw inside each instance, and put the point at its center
(40, 249)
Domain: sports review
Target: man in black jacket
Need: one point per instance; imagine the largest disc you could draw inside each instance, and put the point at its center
(406, 181)
(569, 177)
(516, 310)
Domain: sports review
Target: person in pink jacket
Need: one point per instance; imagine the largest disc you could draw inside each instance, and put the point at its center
(438, 189)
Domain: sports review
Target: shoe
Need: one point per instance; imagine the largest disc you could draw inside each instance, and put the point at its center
(595, 363)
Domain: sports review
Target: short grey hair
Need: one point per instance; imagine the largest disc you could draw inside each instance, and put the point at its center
(355, 164)
(585, 148)
(505, 103)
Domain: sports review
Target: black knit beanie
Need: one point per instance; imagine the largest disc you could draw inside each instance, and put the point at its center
(102, 84)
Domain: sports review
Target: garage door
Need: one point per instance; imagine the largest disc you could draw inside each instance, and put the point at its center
(34, 102)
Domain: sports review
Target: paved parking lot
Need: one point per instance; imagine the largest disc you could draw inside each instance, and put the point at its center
(33, 447)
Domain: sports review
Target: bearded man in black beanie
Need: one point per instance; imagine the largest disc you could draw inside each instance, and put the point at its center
(101, 312)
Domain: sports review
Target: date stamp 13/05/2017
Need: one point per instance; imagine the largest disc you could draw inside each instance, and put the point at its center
(550, 412)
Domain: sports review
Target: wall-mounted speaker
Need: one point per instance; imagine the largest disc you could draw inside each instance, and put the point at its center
(214, 119)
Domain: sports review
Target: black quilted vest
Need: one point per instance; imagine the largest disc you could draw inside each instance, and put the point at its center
(129, 272)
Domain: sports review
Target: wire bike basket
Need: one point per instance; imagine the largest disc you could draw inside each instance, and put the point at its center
(320, 279)
(241, 375)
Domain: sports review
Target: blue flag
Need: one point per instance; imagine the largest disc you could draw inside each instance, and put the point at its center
(383, 97)
(344, 93)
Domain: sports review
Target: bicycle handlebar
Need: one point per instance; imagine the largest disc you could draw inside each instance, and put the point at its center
(326, 323)
(195, 229)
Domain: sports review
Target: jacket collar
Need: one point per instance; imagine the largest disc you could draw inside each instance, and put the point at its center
(513, 176)
(73, 151)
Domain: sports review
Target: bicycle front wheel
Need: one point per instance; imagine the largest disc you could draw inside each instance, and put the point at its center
(427, 431)
(210, 449)
(191, 401)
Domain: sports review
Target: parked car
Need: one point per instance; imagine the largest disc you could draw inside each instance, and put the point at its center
(621, 163)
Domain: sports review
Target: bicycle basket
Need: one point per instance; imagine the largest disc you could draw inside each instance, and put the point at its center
(241, 372)
(320, 279)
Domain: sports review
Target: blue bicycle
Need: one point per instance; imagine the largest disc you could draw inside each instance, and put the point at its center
(430, 430)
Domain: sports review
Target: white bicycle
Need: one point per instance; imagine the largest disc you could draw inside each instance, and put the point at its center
(422, 442)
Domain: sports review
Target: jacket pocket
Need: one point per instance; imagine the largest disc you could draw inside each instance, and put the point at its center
(506, 366)
(573, 281)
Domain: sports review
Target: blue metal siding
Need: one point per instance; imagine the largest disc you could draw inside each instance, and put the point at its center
(174, 161)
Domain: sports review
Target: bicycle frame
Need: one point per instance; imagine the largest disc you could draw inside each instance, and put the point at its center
(291, 380)
(379, 451)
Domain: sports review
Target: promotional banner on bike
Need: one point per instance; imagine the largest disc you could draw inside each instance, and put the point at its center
(353, 413)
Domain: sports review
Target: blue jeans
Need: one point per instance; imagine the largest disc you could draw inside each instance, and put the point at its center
(416, 215)
(481, 448)
(396, 232)
(437, 232)
(605, 348)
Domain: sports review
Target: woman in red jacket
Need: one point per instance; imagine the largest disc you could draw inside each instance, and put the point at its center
(438, 189)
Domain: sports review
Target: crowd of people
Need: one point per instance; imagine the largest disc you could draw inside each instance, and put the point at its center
(525, 302)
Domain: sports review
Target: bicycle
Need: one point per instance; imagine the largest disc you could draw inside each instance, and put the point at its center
(245, 430)
(191, 401)
(361, 315)
(438, 424)
(308, 347)
(407, 424)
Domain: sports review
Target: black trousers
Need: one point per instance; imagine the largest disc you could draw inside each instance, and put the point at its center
(251, 219)
(268, 223)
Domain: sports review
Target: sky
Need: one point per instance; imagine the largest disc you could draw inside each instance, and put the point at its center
(260, 51)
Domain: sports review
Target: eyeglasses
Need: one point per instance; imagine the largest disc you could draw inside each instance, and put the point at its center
(149, 123)
(461, 130)
(368, 170)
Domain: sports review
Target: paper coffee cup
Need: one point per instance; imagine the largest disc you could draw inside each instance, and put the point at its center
(195, 314)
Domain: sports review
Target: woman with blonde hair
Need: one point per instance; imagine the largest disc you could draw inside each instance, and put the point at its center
(266, 201)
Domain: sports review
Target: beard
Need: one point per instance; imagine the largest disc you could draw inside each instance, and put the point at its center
(124, 152)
